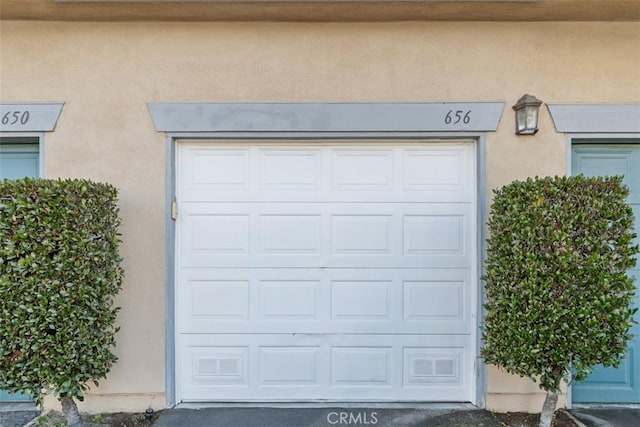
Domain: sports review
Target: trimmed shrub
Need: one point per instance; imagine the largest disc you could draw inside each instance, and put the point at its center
(59, 272)
(558, 293)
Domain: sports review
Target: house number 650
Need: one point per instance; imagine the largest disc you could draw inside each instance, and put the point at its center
(13, 117)
(455, 117)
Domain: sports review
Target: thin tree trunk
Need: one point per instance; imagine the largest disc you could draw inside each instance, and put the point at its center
(70, 411)
(548, 409)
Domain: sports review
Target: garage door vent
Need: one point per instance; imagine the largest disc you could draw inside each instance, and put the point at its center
(434, 368)
(218, 367)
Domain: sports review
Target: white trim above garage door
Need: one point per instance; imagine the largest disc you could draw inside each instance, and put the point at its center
(317, 270)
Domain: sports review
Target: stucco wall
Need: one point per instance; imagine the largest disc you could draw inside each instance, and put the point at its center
(105, 73)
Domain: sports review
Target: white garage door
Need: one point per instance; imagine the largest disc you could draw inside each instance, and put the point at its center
(341, 271)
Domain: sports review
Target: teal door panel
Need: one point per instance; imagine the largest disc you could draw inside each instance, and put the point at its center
(18, 158)
(13, 397)
(622, 384)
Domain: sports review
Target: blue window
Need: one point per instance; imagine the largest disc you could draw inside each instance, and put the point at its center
(19, 157)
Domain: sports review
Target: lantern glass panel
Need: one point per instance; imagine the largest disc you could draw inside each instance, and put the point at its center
(521, 119)
(532, 117)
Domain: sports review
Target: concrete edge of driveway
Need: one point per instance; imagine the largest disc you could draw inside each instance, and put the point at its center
(17, 414)
(326, 415)
(33, 422)
(618, 416)
(383, 405)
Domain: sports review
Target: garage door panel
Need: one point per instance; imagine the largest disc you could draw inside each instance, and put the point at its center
(299, 208)
(222, 169)
(327, 235)
(433, 169)
(218, 233)
(344, 196)
(282, 169)
(345, 257)
(325, 367)
(357, 366)
(326, 301)
(362, 170)
(442, 173)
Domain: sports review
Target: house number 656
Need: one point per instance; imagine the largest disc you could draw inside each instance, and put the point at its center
(457, 116)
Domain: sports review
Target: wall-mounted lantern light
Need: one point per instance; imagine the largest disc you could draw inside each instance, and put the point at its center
(527, 115)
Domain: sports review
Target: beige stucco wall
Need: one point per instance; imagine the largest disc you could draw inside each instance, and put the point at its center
(105, 73)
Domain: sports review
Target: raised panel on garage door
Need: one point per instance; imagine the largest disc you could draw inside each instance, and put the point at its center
(334, 272)
(622, 384)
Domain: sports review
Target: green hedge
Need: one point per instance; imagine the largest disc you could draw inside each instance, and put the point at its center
(59, 272)
(557, 284)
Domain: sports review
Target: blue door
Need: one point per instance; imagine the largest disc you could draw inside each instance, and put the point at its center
(19, 157)
(608, 385)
